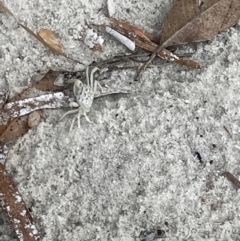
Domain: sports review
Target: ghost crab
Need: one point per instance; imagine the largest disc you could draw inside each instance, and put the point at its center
(84, 94)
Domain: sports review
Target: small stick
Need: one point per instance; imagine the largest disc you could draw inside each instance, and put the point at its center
(228, 132)
(232, 179)
(147, 63)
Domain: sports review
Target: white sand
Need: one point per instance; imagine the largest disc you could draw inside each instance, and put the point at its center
(135, 169)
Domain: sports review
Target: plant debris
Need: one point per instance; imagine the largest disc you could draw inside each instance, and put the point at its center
(187, 22)
(228, 132)
(51, 40)
(13, 204)
(147, 41)
(26, 106)
(13, 123)
(14, 129)
(45, 36)
(232, 179)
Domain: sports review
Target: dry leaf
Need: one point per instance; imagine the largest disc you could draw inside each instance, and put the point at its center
(13, 204)
(47, 82)
(169, 56)
(146, 40)
(21, 105)
(130, 30)
(47, 41)
(51, 40)
(47, 44)
(14, 129)
(188, 22)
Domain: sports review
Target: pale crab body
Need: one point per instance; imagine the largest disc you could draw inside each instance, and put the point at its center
(84, 94)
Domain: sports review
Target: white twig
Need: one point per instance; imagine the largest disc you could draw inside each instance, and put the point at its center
(26, 106)
(121, 38)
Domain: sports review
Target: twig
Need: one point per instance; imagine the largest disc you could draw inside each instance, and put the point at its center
(147, 63)
(232, 179)
(228, 132)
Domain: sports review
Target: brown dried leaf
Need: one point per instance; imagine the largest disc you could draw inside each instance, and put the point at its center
(130, 30)
(15, 128)
(44, 84)
(16, 107)
(51, 40)
(3, 129)
(50, 44)
(188, 21)
(13, 204)
(47, 82)
(46, 44)
(45, 41)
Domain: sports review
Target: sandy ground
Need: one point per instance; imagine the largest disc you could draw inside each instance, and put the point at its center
(138, 168)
